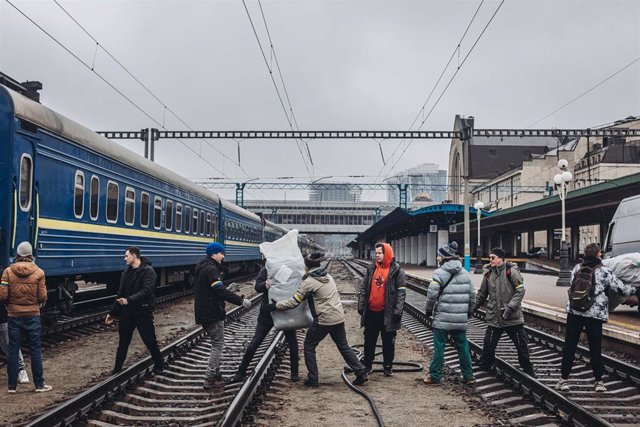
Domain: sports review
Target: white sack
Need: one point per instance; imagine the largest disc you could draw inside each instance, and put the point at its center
(626, 267)
(285, 268)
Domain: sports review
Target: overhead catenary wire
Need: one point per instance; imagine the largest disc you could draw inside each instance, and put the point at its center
(450, 81)
(137, 80)
(111, 85)
(585, 92)
(275, 85)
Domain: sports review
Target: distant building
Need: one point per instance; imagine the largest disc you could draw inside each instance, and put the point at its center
(424, 180)
(334, 192)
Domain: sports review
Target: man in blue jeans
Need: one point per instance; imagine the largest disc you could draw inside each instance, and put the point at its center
(23, 289)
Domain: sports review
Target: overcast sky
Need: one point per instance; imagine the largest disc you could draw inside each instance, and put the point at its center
(347, 65)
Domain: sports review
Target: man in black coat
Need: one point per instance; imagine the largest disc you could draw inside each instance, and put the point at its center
(210, 297)
(264, 325)
(134, 306)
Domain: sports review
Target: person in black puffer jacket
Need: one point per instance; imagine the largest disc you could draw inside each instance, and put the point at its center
(263, 326)
(134, 306)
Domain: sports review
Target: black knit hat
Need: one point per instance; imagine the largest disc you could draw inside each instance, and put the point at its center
(449, 251)
(498, 252)
(313, 260)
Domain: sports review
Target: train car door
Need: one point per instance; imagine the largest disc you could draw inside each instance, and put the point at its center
(25, 200)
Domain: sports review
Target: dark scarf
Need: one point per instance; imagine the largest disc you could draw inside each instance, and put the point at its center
(591, 262)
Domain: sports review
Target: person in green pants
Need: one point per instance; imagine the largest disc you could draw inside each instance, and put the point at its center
(450, 300)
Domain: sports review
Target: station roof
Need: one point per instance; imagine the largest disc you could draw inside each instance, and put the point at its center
(401, 222)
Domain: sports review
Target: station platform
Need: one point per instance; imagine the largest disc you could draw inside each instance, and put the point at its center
(544, 299)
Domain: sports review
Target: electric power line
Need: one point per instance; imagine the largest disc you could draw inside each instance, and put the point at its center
(585, 92)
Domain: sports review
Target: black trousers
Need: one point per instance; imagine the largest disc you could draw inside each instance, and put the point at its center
(262, 329)
(144, 323)
(593, 328)
(374, 326)
(491, 338)
(315, 335)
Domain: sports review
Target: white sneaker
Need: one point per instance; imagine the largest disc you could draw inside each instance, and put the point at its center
(44, 388)
(599, 387)
(23, 378)
(562, 385)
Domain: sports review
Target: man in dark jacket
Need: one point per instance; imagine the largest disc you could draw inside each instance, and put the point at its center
(210, 296)
(502, 290)
(134, 306)
(264, 325)
(380, 303)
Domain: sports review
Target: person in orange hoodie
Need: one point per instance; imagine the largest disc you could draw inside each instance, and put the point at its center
(380, 304)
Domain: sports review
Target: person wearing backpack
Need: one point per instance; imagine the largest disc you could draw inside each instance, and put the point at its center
(502, 290)
(450, 300)
(588, 308)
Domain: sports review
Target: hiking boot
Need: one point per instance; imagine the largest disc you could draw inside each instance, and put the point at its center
(295, 377)
(469, 381)
(361, 378)
(310, 383)
(23, 378)
(368, 369)
(388, 372)
(599, 387)
(429, 381)
(44, 388)
(562, 385)
(238, 377)
(213, 383)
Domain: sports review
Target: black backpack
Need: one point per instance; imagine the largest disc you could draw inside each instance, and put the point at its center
(583, 289)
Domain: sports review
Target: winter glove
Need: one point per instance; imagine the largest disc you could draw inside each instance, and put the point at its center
(246, 303)
(272, 305)
(397, 318)
(507, 313)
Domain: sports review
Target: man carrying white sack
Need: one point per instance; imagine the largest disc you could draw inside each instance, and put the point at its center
(328, 316)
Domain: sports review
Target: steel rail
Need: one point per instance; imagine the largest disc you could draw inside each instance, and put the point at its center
(78, 408)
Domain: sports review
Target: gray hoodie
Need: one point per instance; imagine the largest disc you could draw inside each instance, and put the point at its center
(454, 307)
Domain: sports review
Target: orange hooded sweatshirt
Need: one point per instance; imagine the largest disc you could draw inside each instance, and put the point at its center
(379, 280)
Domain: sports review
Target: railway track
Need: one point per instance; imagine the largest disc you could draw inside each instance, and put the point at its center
(176, 397)
(530, 401)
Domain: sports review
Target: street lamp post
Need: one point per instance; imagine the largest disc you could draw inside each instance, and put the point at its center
(478, 269)
(562, 180)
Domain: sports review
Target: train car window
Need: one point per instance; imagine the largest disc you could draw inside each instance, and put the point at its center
(144, 210)
(215, 227)
(129, 205)
(112, 202)
(168, 215)
(178, 217)
(202, 223)
(208, 231)
(195, 221)
(187, 219)
(78, 194)
(94, 197)
(157, 212)
(26, 180)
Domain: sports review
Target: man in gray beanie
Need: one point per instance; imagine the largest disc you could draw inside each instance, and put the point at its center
(503, 286)
(23, 289)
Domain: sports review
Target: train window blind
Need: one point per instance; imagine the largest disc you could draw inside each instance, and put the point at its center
(202, 223)
(215, 227)
(129, 205)
(78, 194)
(144, 210)
(187, 219)
(168, 215)
(208, 231)
(26, 179)
(157, 213)
(94, 197)
(112, 201)
(195, 221)
(178, 217)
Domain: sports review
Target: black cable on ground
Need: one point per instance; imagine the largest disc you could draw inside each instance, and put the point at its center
(411, 367)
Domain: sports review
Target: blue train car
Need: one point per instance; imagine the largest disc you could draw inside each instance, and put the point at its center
(81, 200)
